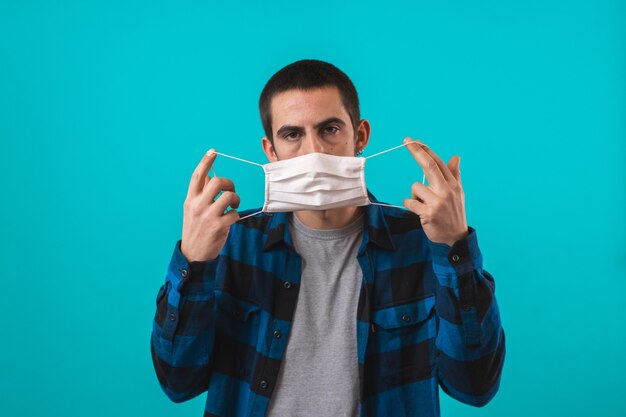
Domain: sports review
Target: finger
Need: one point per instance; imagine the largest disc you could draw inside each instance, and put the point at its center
(414, 206)
(215, 186)
(455, 167)
(229, 198)
(196, 184)
(422, 193)
(443, 173)
(442, 166)
(429, 165)
(231, 217)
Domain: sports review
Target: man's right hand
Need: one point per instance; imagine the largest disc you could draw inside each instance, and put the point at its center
(205, 226)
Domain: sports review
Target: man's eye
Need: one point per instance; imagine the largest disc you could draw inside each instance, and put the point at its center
(331, 129)
(291, 135)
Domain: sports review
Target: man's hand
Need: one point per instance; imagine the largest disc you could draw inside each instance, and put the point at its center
(441, 204)
(205, 226)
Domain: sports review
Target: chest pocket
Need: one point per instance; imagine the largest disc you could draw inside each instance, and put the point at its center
(237, 321)
(237, 309)
(405, 319)
(401, 345)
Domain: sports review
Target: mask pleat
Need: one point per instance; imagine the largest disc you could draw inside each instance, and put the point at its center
(274, 206)
(316, 199)
(310, 185)
(315, 164)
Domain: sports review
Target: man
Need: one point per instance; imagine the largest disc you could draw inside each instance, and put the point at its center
(350, 311)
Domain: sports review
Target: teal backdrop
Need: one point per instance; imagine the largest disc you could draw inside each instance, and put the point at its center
(107, 107)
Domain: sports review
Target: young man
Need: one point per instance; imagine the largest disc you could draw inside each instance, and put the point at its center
(348, 311)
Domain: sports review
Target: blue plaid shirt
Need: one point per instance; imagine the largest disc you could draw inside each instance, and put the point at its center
(426, 317)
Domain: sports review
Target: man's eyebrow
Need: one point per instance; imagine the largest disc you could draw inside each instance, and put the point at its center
(324, 122)
(288, 128)
(329, 121)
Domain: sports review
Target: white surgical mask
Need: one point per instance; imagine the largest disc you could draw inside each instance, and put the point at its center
(315, 181)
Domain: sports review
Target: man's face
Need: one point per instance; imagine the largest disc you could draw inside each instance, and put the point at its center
(313, 121)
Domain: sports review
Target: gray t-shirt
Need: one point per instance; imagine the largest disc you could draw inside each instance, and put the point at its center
(319, 373)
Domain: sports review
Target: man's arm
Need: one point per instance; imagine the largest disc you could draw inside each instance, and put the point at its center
(470, 339)
(183, 329)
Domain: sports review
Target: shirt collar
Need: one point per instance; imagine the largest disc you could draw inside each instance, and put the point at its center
(376, 229)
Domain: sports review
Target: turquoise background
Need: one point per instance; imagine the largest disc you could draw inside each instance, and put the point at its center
(107, 107)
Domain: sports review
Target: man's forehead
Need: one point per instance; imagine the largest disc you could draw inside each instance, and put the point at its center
(307, 106)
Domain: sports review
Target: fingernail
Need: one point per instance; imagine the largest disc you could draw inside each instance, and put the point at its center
(406, 140)
(210, 151)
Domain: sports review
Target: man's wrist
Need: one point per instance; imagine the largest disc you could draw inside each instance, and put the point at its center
(458, 237)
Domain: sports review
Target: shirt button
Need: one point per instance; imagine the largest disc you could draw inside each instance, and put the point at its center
(173, 317)
(183, 273)
(263, 384)
(467, 307)
(287, 284)
(406, 317)
(277, 334)
(455, 257)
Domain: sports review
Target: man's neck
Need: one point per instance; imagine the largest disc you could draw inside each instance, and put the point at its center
(329, 219)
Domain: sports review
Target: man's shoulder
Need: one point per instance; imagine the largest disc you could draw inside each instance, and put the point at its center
(254, 219)
(400, 221)
(252, 222)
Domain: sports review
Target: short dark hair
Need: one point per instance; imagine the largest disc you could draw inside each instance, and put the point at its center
(308, 74)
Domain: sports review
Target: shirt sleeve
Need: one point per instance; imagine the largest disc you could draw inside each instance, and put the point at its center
(470, 339)
(183, 328)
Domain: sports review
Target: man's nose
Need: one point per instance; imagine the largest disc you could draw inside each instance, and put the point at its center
(314, 144)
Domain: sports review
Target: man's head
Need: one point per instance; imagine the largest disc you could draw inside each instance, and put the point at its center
(311, 106)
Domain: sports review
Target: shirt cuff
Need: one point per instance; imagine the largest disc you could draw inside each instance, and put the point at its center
(455, 268)
(462, 257)
(191, 277)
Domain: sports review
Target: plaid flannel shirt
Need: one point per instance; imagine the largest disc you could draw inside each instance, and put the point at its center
(427, 317)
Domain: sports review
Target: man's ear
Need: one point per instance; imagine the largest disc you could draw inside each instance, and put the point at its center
(362, 136)
(269, 150)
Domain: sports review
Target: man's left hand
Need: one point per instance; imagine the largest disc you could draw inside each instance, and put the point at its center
(441, 204)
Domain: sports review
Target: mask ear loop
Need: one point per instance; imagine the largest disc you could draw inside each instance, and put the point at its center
(385, 151)
(250, 215)
(247, 162)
